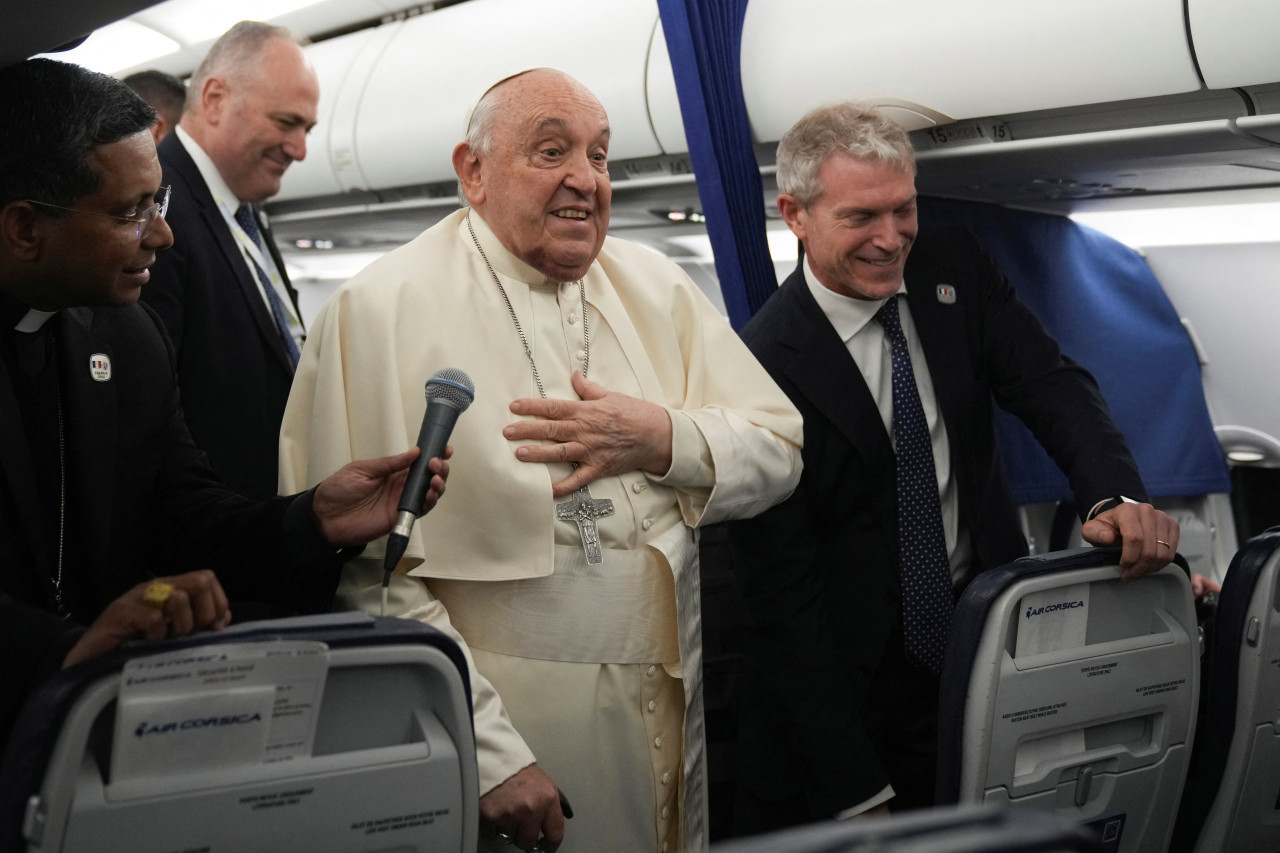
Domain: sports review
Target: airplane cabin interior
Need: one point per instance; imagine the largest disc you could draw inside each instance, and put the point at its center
(1120, 161)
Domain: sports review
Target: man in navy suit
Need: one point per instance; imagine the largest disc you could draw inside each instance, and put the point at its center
(895, 352)
(222, 290)
(101, 487)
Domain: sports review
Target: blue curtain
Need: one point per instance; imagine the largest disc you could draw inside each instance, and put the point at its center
(704, 39)
(1099, 299)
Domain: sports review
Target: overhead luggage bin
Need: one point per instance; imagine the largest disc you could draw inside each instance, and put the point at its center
(342, 65)
(1230, 805)
(974, 59)
(1235, 41)
(403, 135)
(394, 99)
(334, 733)
(1068, 690)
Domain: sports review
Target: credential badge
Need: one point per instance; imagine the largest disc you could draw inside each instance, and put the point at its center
(946, 294)
(100, 367)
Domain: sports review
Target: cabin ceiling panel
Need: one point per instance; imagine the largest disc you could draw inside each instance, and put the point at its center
(1062, 188)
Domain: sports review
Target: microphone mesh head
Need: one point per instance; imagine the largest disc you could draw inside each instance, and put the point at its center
(452, 386)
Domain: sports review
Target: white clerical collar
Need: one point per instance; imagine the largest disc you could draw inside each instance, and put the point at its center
(504, 262)
(33, 320)
(209, 171)
(847, 315)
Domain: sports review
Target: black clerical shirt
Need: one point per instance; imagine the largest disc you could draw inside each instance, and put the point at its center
(30, 359)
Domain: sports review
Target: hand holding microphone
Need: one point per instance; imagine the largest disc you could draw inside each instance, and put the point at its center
(449, 393)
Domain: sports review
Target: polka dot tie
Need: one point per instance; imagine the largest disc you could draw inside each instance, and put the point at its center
(249, 222)
(923, 568)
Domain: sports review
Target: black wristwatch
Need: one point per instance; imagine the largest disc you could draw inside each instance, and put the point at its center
(1110, 503)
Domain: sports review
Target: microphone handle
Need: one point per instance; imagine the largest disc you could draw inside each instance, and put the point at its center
(437, 426)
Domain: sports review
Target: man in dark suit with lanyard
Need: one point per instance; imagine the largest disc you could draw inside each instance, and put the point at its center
(222, 290)
(895, 353)
(102, 491)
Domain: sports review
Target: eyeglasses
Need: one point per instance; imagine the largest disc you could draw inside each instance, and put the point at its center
(145, 220)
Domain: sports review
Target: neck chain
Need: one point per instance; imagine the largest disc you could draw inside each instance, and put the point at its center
(62, 509)
(582, 296)
(62, 484)
(580, 508)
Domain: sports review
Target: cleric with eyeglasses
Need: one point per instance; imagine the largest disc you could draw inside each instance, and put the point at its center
(109, 515)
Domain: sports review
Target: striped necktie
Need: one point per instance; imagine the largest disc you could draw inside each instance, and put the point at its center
(249, 222)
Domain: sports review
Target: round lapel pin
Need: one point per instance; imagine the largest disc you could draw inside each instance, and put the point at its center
(100, 367)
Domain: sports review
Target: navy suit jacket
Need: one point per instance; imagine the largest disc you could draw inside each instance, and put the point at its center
(819, 571)
(232, 366)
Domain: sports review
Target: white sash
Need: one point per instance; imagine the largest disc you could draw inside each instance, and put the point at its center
(620, 611)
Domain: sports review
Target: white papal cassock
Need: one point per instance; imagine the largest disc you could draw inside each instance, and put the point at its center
(594, 671)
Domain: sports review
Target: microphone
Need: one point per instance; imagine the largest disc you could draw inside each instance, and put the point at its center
(449, 393)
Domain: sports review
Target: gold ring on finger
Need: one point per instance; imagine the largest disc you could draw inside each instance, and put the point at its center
(156, 594)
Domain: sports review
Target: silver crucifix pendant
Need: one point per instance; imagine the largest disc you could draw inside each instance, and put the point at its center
(584, 509)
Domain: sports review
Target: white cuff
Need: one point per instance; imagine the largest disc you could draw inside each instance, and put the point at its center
(885, 795)
(1097, 508)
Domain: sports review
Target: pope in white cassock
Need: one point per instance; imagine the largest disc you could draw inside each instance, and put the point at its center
(615, 411)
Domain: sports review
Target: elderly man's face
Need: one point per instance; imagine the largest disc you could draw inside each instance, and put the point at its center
(544, 188)
(858, 232)
(262, 125)
(99, 260)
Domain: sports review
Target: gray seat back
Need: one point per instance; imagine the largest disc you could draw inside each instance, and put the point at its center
(1068, 690)
(389, 764)
(1232, 803)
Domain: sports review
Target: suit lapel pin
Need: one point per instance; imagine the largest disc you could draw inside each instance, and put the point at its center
(100, 367)
(946, 294)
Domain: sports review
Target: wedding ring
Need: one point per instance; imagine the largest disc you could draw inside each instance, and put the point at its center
(156, 594)
(1162, 542)
(505, 837)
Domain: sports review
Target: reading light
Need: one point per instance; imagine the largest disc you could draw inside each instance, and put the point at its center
(687, 214)
(1248, 446)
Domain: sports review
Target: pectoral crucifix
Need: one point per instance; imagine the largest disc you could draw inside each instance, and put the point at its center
(584, 509)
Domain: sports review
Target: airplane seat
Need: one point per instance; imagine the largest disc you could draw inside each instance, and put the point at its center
(1065, 689)
(1232, 798)
(325, 733)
